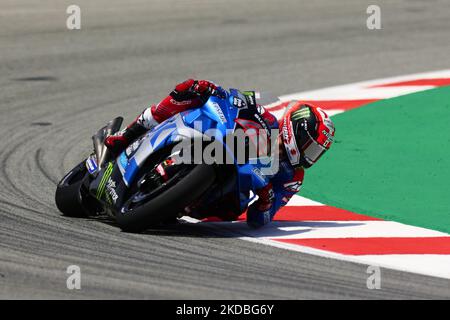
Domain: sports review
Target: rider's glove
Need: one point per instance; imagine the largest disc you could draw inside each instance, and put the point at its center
(190, 88)
(204, 87)
(260, 212)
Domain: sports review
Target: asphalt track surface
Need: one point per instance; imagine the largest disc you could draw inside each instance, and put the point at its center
(58, 86)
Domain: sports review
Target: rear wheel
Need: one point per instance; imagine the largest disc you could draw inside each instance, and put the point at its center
(68, 196)
(147, 207)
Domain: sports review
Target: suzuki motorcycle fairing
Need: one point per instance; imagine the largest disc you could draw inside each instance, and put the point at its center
(123, 186)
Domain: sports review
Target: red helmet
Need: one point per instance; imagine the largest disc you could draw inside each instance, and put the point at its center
(307, 133)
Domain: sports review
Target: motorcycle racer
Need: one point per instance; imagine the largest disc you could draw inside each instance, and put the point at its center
(306, 133)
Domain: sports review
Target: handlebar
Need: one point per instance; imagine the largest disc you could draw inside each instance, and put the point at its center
(220, 93)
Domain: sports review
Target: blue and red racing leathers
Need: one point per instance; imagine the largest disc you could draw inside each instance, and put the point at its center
(192, 94)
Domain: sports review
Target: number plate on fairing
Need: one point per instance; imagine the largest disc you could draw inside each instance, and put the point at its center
(91, 164)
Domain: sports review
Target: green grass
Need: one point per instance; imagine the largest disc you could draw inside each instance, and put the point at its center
(391, 159)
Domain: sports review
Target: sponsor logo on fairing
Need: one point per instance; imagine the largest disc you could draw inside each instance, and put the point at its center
(104, 179)
(111, 189)
(250, 97)
(133, 147)
(91, 164)
(239, 103)
(251, 101)
(123, 160)
(217, 108)
(263, 123)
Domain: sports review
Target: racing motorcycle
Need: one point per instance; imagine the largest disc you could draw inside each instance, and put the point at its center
(143, 186)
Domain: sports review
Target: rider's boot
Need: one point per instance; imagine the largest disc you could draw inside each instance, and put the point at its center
(119, 141)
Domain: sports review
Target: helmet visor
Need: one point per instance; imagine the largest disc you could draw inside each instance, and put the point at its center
(312, 151)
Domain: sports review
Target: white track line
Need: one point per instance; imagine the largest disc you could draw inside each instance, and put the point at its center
(356, 93)
(360, 90)
(297, 200)
(331, 112)
(429, 265)
(333, 229)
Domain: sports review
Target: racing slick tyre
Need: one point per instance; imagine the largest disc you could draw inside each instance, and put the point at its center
(141, 215)
(68, 196)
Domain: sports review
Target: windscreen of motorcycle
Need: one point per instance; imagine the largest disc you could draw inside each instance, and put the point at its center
(250, 120)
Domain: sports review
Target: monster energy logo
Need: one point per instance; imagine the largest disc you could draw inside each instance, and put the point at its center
(106, 175)
(301, 114)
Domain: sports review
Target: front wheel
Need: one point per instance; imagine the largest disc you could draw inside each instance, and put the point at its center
(68, 196)
(139, 212)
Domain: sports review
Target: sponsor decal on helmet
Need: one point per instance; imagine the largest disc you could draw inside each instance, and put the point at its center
(301, 114)
(326, 120)
(289, 142)
(328, 135)
(325, 128)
